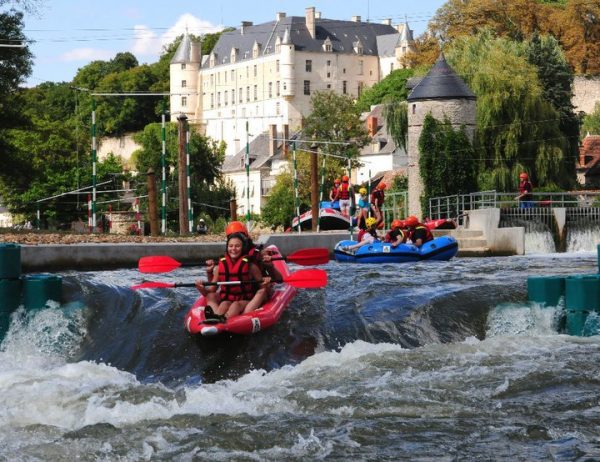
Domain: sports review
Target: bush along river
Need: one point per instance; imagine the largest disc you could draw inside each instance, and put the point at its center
(432, 361)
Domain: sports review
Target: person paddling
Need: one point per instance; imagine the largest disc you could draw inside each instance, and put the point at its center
(234, 266)
(396, 235)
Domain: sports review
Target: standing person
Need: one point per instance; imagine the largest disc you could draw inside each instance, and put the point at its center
(232, 300)
(363, 207)
(525, 197)
(418, 233)
(334, 192)
(377, 199)
(396, 236)
(344, 195)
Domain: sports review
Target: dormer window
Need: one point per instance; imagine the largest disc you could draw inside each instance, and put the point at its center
(233, 55)
(256, 50)
(212, 60)
(358, 48)
(278, 45)
(327, 45)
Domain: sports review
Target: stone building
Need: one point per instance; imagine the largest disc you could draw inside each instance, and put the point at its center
(441, 93)
(588, 167)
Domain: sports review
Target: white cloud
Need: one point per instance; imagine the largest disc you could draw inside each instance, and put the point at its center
(86, 54)
(148, 43)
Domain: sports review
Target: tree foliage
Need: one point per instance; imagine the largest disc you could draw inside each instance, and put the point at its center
(391, 88)
(396, 120)
(280, 208)
(591, 122)
(575, 24)
(517, 129)
(447, 162)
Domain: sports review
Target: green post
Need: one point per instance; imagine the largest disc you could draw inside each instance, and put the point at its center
(189, 179)
(94, 158)
(247, 162)
(163, 162)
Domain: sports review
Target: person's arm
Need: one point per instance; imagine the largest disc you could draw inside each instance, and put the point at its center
(272, 271)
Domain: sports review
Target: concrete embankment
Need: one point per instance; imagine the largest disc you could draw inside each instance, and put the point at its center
(104, 256)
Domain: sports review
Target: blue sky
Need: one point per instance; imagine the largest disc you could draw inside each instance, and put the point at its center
(69, 34)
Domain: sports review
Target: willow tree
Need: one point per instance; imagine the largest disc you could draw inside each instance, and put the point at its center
(517, 129)
(395, 114)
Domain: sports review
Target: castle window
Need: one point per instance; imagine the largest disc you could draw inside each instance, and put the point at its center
(270, 89)
(184, 101)
(183, 83)
(233, 96)
(241, 95)
(391, 67)
(248, 93)
(344, 87)
(307, 87)
(328, 62)
(308, 65)
(360, 87)
(255, 70)
(255, 92)
(277, 92)
(277, 66)
(212, 100)
(414, 108)
(183, 66)
(232, 75)
(360, 67)
(278, 108)
(225, 98)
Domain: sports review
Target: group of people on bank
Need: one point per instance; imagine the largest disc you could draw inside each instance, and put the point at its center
(342, 191)
(410, 230)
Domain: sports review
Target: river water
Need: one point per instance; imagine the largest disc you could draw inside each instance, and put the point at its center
(436, 361)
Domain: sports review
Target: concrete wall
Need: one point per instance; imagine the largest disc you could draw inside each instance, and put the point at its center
(586, 93)
(501, 241)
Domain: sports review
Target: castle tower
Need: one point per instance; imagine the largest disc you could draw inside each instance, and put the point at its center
(288, 79)
(184, 80)
(443, 94)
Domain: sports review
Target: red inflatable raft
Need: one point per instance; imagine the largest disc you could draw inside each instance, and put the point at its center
(248, 323)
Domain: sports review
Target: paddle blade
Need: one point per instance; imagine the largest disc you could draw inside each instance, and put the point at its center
(316, 256)
(307, 279)
(153, 285)
(157, 264)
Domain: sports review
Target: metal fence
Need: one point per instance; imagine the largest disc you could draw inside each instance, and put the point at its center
(455, 206)
(395, 207)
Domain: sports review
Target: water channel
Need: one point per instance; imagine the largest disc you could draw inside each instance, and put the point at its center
(432, 361)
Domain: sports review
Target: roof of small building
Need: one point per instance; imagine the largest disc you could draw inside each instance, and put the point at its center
(381, 135)
(343, 35)
(441, 82)
(387, 44)
(590, 147)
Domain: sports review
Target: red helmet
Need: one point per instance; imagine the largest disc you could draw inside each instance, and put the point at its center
(381, 185)
(524, 176)
(411, 221)
(336, 181)
(397, 224)
(345, 178)
(236, 227)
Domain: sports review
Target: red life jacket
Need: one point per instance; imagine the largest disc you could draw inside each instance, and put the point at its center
(334, 192)
(525, 187)
(391, 236)
(377, 198)
(361, 233)
(344, 191)
(240, 271)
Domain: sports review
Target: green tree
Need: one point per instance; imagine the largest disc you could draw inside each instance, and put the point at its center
(447, 161)
(391, 88)
(517, 129)
(396, 120)
(591, 122)
(280, 208)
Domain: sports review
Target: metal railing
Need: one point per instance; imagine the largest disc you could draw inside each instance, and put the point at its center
(395, 207)
(456, 205)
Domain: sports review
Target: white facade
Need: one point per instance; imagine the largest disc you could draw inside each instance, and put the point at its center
(121, 146)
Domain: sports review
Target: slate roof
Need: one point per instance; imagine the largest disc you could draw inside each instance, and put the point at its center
(184, 51)
(441, 82)
(343, 36)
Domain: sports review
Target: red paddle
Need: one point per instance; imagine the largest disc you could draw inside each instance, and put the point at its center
(302, 279)
(164, 264)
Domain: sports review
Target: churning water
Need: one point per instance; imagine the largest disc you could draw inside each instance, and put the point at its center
(432, 361)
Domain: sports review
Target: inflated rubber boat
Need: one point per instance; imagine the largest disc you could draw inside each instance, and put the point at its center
(440, 248)
(249, 323)
(331, 218)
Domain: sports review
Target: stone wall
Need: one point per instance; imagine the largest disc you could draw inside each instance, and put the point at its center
(586, 93)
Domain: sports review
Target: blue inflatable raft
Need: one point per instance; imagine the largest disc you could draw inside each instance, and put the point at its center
(441, 248)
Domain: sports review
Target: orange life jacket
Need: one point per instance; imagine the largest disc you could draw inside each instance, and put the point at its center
(238, 271)
(344, 191)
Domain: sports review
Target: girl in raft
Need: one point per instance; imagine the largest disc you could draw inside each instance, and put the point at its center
(231, 300)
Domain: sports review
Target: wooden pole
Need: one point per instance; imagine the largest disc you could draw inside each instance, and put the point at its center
(152, 203)
(314, 186)
(182, 176)
(233, 209)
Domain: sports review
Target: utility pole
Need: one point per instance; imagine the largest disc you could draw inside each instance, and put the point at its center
(182, 176)
(314, 186)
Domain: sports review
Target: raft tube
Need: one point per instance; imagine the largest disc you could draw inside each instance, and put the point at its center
(441, 248)
(249, 323)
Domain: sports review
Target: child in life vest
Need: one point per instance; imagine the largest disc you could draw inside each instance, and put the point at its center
(362, 211)
(368, 237)
(235, 299)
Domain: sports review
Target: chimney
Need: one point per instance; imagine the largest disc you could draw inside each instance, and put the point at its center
(245, 24)
(280, 16)
(272, 140)
(387, 22)
(318, 15)
(286, 137)
(310, 21)
(372, 125)
(355, 18)
(195, 52)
